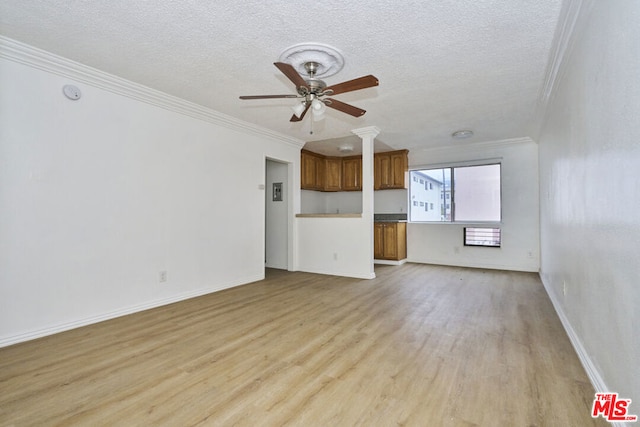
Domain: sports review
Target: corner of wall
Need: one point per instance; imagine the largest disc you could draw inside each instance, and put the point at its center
(593, 373)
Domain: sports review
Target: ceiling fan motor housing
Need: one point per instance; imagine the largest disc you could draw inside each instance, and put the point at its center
(316, 86)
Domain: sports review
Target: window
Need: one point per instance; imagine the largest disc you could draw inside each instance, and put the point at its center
(482, 236)
(463, 194)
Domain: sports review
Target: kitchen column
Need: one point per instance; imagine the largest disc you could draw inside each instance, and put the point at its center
(367, 134)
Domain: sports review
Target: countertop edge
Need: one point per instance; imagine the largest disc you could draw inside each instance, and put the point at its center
(351, 215)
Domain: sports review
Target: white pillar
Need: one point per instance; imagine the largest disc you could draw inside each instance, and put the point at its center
(367, 134)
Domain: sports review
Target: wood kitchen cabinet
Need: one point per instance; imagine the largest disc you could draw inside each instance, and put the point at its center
(390, 169)
(352, 173)
(312, 171)
(322, 173)
(333, 174)
(390, 240)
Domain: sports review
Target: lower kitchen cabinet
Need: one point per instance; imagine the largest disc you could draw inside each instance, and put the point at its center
(390, 240)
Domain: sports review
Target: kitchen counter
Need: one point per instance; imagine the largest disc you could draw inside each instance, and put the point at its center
(396, 217)
(376, 217)
(320, 215)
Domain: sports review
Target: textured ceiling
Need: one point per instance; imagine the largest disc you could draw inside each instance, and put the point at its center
(443, 65)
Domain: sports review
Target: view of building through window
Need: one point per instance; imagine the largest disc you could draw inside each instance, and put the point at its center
(465, 193)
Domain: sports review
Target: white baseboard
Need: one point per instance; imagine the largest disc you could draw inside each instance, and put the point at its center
(471, 264)
(338, 273)
(61, 327)
(389, 262)
(594, 376)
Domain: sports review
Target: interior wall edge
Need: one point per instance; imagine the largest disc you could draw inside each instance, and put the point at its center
(592, 372)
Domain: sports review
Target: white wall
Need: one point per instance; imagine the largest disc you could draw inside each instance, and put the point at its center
(385, 201)
(99, 195)
(390, 201)
(443, 243)
(336, 246)
(331, 202)
(590, 194)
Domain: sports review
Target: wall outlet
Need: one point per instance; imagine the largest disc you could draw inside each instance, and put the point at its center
(162, 276)
(335, 256)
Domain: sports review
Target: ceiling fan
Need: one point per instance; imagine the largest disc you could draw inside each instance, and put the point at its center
(313, 92)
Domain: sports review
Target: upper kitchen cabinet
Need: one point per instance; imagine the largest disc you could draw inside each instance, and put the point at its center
(322, 173)
(312, 171)
(390, 170)
(352, 173)
(332, 174)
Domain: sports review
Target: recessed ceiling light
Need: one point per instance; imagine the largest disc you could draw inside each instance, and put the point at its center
(461, 134)
(345, 148)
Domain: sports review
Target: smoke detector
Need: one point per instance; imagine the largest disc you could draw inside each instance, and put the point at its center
(462, 134)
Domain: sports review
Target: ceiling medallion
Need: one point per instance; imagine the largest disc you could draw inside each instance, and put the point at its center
(328, 58)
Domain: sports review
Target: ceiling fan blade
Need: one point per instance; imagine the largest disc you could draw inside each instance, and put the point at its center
(267, 96)
(345, 108)
(355, 84)
(292, 74)
(295, 118)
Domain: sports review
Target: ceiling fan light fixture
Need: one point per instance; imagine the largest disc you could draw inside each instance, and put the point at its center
(318, 108)
(298, 109)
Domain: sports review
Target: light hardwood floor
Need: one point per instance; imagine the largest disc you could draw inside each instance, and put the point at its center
(417, 346)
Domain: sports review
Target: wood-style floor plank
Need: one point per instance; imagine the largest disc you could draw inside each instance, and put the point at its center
(419, 345)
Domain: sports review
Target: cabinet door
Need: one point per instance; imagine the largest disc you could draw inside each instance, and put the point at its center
(401, 240)
(311, 171)
(398, 164)
(390, 241)
(333, 174)
(378, 240)
(307, 171)
(390, 245)
(352, 174)
(320, 173)
(382, 171)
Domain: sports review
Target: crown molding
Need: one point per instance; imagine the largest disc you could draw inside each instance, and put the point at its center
(22, 53)
(570, 14)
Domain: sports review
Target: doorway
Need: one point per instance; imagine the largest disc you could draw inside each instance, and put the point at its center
(277, 201)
